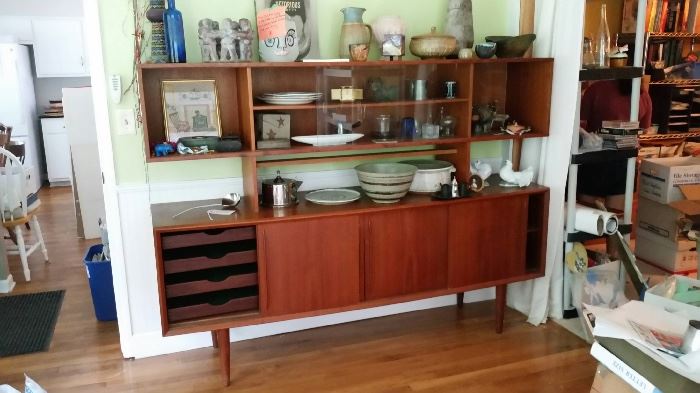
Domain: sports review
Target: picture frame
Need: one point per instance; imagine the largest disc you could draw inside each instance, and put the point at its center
(190, 108)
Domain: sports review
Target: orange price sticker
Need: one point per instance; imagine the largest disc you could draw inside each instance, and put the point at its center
(272, 22)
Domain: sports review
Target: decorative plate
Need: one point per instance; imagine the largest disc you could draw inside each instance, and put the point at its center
(333, 196)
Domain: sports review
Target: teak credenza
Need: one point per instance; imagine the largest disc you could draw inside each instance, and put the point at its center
(264, 265)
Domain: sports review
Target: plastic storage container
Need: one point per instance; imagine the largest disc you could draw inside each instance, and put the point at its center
(100, 278)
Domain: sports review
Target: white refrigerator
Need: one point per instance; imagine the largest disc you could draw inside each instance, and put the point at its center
(18, 106)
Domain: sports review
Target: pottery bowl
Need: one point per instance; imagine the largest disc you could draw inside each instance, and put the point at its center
(485, 50)
(431, 175)
(508, 46)
(433, 45)
(385, 182)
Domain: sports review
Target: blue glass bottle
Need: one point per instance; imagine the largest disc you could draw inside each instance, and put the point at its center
(174, 34)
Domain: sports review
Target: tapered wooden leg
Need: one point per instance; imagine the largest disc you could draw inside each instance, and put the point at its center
(460, 299)
(500, 307)
(222, 339)
(214, 341)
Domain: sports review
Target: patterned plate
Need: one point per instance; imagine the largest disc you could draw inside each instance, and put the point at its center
(333, 196)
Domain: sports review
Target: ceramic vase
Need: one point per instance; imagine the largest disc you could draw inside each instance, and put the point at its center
(354, 30)
(154, 14)
(174, 34)
(460, 22)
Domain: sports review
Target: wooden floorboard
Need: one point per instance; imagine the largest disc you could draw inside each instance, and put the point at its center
(439, 350)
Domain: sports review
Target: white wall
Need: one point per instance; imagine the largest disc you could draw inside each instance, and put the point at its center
(42, 8)
(47, 89)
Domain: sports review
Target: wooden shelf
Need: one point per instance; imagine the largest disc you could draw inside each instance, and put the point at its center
(326, 64)
(595, 74)
(363, 144)
(674, 35)
(190, 157)
(363, 104)
(354, 157)
(676, 82)
(505, 137)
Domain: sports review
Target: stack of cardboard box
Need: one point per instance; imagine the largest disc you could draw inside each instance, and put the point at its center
(669, 205)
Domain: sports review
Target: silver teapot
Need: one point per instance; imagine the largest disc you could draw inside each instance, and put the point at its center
(280, 192)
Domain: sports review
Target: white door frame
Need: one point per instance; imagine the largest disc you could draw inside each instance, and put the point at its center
(93, 43)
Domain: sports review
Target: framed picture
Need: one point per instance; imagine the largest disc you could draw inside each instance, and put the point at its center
(190, 108)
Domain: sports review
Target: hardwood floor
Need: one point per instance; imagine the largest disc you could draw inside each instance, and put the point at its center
(441, 350)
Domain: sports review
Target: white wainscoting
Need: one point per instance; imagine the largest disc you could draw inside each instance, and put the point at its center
(144, 338)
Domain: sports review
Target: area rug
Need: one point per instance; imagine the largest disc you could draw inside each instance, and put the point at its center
(27, 322)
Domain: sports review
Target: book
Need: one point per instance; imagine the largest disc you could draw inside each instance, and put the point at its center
(661, 22)
(671, 13)
(691, 20)
(622, 370)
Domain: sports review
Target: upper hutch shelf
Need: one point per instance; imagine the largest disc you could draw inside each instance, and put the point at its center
(519, 87)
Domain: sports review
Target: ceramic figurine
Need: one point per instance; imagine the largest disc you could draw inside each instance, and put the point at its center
(208, 40)
(163, 149)
(513, 179)
(460, 22)
(245, 40)
(229, 39)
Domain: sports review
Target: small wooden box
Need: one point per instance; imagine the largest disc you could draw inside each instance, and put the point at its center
(347, 94)
(273, 126)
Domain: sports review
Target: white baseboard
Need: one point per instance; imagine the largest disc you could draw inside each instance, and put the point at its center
(153, 344)
(7, 285)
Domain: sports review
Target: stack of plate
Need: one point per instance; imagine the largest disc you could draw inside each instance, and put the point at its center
(290, 98)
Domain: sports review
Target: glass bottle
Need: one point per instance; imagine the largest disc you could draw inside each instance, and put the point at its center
(602, 43)
(588, 59)
(174, 34)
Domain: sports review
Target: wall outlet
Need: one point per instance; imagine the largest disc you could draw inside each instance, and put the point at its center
(127, 122)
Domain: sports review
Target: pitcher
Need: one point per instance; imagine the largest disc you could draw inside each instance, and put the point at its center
(354, 30)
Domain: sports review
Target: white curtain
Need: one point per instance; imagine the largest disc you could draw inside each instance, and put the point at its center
(559, 29)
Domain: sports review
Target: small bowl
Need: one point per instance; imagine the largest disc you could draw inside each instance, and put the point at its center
(385, 182)
(618, 60)
(485, 50)
(508, 46)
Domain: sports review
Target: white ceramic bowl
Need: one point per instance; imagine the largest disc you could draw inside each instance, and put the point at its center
(385, 182)
(430, 175)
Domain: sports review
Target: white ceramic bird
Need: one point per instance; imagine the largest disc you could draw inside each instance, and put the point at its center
(482, 169)
(522, 179)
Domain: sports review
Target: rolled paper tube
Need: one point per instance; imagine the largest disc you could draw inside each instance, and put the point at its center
(589, 221)
(595, 222)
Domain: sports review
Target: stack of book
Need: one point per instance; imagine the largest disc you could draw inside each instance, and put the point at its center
(671, 16)
(55, 109)
(619, 141)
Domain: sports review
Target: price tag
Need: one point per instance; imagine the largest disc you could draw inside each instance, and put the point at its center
(272, 22)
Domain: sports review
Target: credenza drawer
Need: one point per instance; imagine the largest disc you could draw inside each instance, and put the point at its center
(204, 286)
(206, 262)
(213, 304)
(200, 238)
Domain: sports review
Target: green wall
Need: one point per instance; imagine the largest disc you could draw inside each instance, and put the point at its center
(116, 20)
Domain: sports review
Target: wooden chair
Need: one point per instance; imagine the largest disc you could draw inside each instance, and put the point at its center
(5, 135)
(17, 209)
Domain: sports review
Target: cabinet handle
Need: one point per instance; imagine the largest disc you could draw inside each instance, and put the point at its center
(82, 61)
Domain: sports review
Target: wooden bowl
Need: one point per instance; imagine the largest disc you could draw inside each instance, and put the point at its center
(508, 46)
(433, 45)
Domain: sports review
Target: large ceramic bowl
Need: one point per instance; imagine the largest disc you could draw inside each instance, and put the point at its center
(485, 50)
(433, 45)
(385, 182)
(507, 46)
(431, 175)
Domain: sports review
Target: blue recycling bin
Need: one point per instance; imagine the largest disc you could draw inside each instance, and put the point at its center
(100, 278)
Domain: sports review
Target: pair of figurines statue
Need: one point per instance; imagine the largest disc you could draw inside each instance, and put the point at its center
(233, 42)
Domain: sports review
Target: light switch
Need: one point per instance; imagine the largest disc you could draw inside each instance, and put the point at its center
(127, 121)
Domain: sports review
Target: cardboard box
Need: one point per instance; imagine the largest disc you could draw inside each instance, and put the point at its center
(607, 382)
(666, 255)
(659, 219)
(660, 177)
(655, 296)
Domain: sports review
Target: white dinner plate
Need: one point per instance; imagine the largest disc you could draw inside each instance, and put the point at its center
(333, 196)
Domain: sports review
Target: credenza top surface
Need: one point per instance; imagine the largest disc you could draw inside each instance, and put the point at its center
(163, 221)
